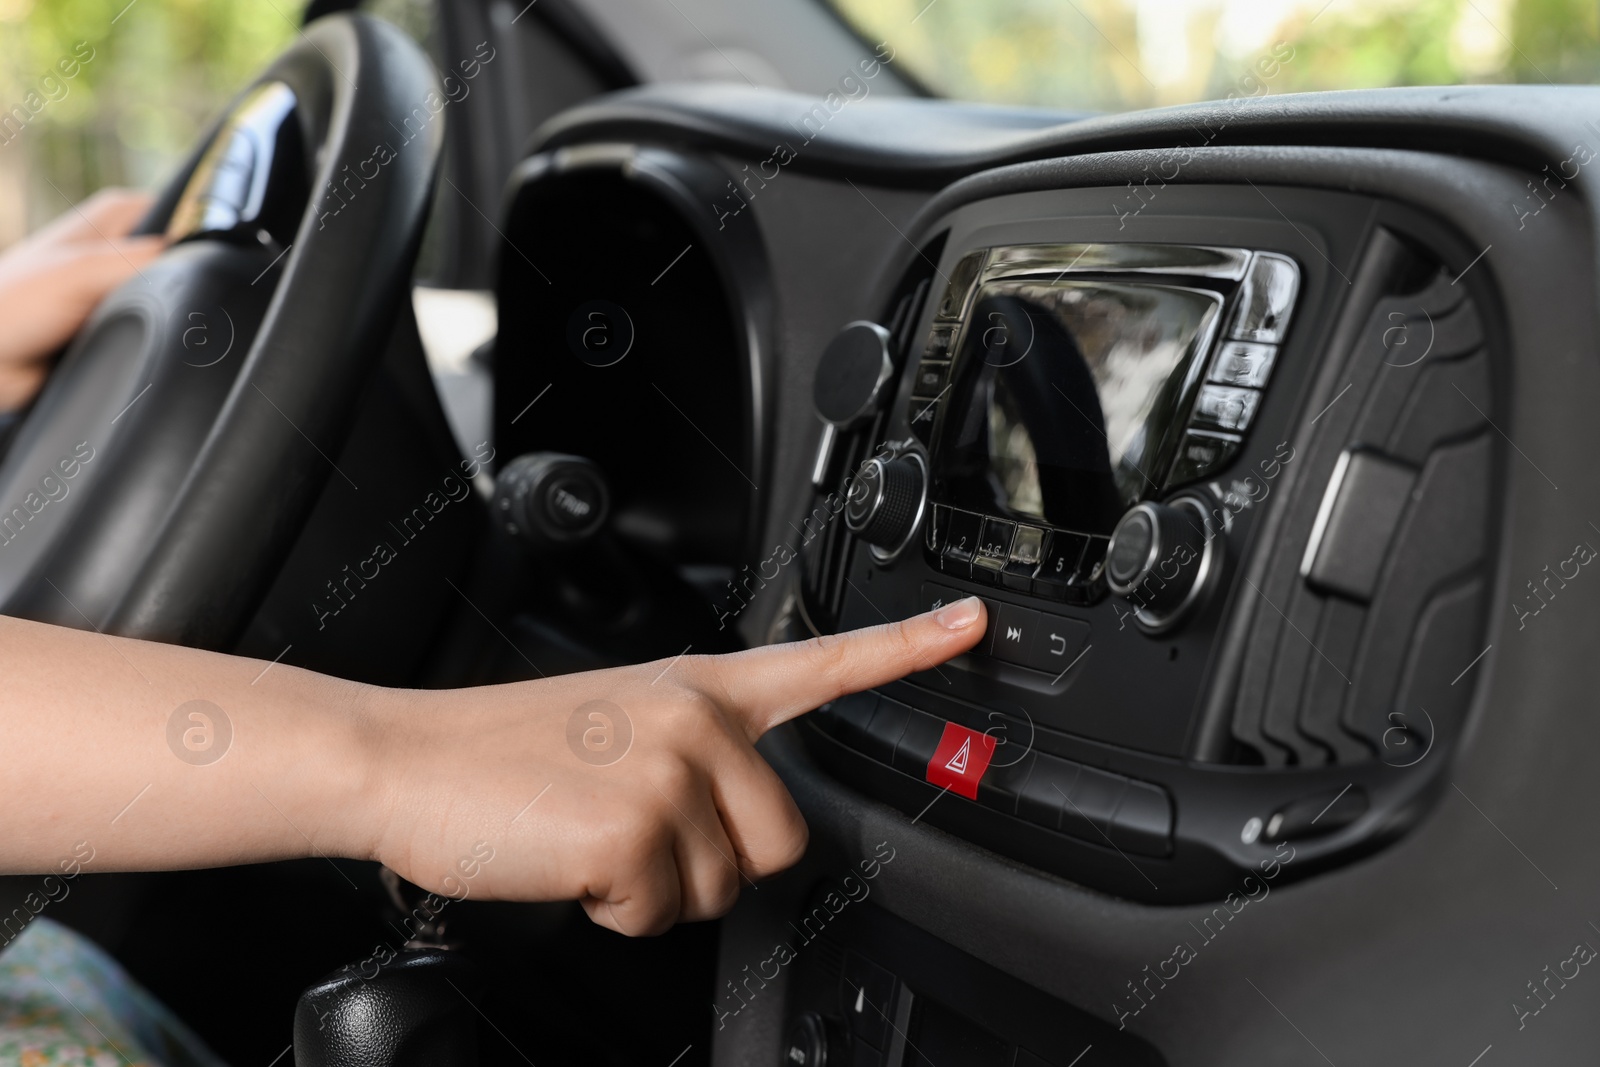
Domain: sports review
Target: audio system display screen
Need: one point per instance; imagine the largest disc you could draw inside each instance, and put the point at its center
(1064, 395)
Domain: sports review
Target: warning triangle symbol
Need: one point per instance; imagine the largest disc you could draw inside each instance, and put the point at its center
(958, 762)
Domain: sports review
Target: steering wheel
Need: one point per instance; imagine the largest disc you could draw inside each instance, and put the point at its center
(172, 460)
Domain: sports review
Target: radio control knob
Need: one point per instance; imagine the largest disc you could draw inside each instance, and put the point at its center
(885, 501)
(1161, 558)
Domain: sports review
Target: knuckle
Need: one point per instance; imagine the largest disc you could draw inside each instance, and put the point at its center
(724, 895)
(696, 670)
(830, 653)
(649, 915)
(689, 712)
(781, 849)
(705, 677)
(792, 844)
(628, 844)
(906, 642)
(675, 778)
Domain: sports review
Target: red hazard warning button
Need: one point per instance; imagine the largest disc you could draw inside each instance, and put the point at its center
(960, 760)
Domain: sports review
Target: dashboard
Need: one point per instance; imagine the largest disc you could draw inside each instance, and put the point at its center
(1263, 432)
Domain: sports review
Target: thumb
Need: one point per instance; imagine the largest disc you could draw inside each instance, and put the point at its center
(769, 686)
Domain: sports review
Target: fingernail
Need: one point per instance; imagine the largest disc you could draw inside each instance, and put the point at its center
(960, 615)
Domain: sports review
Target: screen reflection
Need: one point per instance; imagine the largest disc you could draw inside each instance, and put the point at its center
(1064, 394)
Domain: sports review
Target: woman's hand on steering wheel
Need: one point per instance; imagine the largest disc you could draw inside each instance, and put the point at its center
(52, 280)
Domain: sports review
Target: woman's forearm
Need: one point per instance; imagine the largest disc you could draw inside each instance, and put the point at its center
(160, 756)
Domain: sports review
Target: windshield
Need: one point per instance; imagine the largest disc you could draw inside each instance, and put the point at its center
(1112, 55)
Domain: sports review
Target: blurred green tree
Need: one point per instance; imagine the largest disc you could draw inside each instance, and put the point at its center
(160, 70)
(1556, 40)
(1115, 54)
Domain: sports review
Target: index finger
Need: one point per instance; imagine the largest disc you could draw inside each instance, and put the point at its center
(771, 685)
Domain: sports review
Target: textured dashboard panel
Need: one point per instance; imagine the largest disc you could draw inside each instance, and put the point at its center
(1321, 676)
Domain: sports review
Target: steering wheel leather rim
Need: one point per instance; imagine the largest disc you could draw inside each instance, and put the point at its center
(197, 576)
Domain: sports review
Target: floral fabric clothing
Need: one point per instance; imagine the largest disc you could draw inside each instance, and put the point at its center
(65, 1001)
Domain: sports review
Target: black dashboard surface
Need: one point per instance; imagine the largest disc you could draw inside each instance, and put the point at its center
(1438, 947)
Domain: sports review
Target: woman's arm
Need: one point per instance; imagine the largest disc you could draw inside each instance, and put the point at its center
(160, 757)
(493, 792)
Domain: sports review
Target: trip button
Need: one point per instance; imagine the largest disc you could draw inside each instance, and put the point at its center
(570, 503)
(1057, 643)
(1014, 629)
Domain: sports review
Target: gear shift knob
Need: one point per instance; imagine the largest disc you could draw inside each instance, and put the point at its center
(411, 1011)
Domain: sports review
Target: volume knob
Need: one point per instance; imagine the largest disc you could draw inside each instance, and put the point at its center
(1162, 557)
(885, 501)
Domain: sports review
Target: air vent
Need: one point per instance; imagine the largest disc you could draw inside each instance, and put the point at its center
(826, 556)
(635, 334)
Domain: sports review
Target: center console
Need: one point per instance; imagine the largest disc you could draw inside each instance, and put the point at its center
(1224, 490)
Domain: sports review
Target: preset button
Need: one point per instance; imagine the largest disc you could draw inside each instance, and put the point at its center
(960, 542)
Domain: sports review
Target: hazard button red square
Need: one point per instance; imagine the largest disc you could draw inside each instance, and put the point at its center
(960, 760)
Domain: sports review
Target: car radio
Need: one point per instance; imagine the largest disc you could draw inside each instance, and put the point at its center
(1058, 388)
(1071, 397)
(1203, 635)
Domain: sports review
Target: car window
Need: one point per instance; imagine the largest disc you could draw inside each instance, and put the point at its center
(1122, 54)
(104, 92)
(113, 92)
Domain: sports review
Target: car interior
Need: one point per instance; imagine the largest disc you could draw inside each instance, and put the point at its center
(1254, 422)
